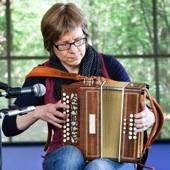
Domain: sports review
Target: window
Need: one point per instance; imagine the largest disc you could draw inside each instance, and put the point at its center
(135, 32)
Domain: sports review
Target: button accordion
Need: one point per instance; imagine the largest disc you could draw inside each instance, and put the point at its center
(101, 119)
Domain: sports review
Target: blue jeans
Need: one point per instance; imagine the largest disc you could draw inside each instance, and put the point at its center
(70, 158)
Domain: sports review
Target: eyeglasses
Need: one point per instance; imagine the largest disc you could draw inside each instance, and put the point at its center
(66, 46)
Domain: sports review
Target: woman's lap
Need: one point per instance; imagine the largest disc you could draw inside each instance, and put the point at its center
(70, 158)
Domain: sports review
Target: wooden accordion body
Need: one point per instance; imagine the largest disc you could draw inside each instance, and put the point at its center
(101, 119)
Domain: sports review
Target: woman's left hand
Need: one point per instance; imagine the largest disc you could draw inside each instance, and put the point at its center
(144, 119)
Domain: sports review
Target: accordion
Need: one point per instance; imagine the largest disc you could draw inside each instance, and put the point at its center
(101, 119)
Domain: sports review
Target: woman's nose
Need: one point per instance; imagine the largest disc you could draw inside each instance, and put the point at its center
(73, 48)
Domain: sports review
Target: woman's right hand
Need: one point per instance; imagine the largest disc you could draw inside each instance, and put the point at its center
(51, 113)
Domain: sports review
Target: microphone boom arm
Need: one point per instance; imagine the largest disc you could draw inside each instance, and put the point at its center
(19, 111)
(4, 86)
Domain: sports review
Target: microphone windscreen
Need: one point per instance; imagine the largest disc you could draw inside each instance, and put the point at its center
(39, 90)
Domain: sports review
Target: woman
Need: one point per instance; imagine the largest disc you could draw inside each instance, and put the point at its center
(65, 35)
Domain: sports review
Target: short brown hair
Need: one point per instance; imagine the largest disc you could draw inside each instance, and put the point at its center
(60, 19)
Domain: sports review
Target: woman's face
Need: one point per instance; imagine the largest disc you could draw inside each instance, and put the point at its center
(71, 58)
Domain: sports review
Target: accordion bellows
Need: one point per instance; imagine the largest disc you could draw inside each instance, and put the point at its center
(101, 119)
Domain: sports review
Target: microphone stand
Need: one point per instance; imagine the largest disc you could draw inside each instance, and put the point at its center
(11, 111)
(4, 87)
(15, 110)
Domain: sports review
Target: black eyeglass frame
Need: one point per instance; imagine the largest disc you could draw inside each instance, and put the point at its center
(73, 43)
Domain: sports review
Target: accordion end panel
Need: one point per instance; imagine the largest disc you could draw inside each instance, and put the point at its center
(83, 129)
(90, 123)
(132, 143)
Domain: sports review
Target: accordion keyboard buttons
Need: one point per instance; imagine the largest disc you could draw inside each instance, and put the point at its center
(131, 127)
(130, 120)
(66, 129)
(70, 129)
(124, 126)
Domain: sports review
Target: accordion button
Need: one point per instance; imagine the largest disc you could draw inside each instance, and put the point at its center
(131, 115)
(130, 124)
(73, 123)
(130, 133)
(131, 84)
(130, 128)
(72, 140)
(130, 137)
(64, 94)
(130, 120)
(134, 137)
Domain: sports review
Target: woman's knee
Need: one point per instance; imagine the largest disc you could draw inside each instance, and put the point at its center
(69, 151)
(108, 164)
(99, 164)
(64, 157)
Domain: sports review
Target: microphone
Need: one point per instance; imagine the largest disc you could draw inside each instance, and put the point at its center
(3, 86)
(20, 111)
(36, 90)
